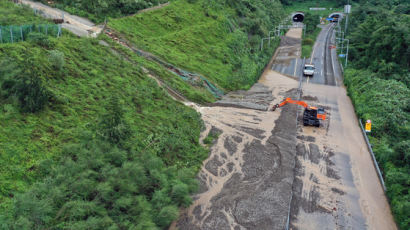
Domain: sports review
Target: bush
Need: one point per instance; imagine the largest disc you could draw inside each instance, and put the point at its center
(307, 41)
(167, 215)
(21, 82)
(88, 190)
(40, 39)
(57, 59)
(32, 95)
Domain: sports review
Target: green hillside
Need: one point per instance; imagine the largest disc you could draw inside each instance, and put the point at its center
(218, 39)
(89, 141)
(72, 100)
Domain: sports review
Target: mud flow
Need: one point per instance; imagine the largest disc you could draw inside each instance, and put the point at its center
(266, 169)
(336, 186)
(246, 182)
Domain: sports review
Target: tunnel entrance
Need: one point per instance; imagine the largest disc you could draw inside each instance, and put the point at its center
(298, 17)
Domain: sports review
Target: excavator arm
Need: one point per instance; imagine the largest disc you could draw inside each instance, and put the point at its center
(289, 100)
(319, 113)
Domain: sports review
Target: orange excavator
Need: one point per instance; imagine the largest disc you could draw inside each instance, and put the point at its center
(311, 115)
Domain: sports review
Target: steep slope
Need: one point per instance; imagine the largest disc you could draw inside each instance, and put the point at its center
(219, 39)
(102, 116)
(88, 140)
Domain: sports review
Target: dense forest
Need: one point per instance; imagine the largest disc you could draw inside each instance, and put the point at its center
(378, 83)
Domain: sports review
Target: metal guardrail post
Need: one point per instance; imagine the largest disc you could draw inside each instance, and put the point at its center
(376, 165)
(11, 33)
(21, 33)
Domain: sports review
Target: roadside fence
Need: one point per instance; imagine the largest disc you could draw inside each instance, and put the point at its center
(11, 34)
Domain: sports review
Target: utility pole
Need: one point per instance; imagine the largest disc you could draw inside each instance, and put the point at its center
(347, 52)
(347, 12)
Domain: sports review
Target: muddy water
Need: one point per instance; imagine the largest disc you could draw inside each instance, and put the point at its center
(246, 182)
(336, 182)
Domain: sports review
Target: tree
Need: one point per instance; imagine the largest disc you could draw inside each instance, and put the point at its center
(113, 126)
(24, 84)
(310, 21)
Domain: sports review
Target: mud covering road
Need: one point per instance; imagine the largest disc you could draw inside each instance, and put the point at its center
(246, 182)
(336, 185)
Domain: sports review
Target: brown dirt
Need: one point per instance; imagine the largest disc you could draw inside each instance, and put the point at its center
(247, 180)
(336, 182)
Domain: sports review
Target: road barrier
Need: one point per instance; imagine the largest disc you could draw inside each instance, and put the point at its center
(376, 165)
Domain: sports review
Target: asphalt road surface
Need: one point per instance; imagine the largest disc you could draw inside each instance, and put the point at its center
(336, 185)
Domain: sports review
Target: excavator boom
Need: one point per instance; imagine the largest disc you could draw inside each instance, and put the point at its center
(289, 100)
(311, 116)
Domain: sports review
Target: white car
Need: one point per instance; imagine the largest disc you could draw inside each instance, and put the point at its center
(309, 70)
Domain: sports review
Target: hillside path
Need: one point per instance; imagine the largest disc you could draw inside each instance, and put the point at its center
(79, 26)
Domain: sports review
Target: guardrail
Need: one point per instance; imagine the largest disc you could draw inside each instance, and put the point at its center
(376, 165)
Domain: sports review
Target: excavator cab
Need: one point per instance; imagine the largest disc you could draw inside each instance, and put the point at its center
(310, 117)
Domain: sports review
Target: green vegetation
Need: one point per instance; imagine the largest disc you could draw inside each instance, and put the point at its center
(88, 140)
(312, 31)
(196, 93)
(218, 39)
(304, 5)
(99, 10)
(378, 83)
(212, 136)
(13, 15)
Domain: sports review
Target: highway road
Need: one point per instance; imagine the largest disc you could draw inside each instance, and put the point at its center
(336, 185)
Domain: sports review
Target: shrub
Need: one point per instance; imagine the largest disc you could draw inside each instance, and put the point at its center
(40, 39)
(57, 59)
(31, 93)
(307, 41)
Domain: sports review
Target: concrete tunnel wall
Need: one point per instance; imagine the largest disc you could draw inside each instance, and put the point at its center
(338, 14)
(298, 17)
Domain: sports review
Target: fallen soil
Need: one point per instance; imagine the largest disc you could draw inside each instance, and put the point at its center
(287, 61)
(246, 182)
(335, 180)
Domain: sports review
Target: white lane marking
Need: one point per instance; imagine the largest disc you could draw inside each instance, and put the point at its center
(313, 53)
(307, 81)
(314, 47)
(321, 72)
(294, 74)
